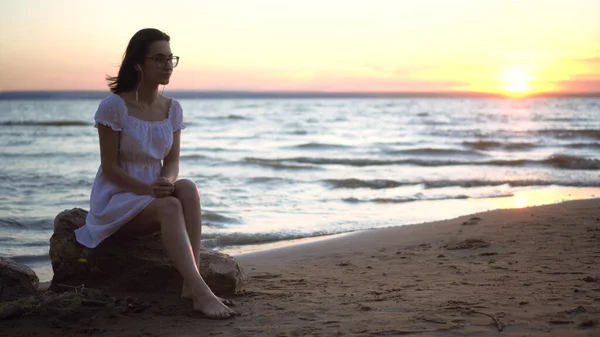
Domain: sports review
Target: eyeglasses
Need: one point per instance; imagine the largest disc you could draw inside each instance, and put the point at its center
(162, 61)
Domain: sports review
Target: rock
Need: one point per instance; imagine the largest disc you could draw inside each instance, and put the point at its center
(16, 280)
(133, 265)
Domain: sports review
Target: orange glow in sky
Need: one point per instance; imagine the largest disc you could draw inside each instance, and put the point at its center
(511, 47)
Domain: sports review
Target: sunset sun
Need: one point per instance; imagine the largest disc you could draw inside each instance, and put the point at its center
(517, 82)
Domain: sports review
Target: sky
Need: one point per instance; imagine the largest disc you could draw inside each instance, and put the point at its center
(514, 47)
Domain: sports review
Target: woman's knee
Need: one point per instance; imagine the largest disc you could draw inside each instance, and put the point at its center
(187, 189)
(169, 207)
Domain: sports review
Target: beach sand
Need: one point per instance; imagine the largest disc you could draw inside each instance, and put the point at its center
(528, 272)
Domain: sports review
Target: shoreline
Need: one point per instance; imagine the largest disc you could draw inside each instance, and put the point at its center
(541, 196)
(339, 240)
(545, 195)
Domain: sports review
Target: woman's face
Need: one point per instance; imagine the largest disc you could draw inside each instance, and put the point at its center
(159, 63)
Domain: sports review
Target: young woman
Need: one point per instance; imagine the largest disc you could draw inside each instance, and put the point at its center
(136, 190)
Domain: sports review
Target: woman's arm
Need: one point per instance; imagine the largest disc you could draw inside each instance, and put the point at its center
(170, 168)
(109, 158)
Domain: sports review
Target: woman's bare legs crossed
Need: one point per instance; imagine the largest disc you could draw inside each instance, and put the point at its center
(168, 213)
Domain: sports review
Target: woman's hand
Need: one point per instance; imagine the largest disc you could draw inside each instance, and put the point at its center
(161, 188)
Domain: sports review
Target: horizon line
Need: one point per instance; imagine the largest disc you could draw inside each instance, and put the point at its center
(247, 94)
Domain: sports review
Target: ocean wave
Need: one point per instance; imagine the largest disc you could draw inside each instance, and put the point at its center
(277, 164)
(570, 134)
(219, 218)
(594, 146)
(192, 156)
(261, 180)
(220, 240)
(371, 183)
(35, 244)
(437, 152)
(228, 117)
(319, 146)
(511, 183)
(18, 142)
(572, 162)
(16, 180)
(310, 161)
(26, 224)
(468, 133)
(556, 161)
(401, 200)
(298, 132)
(14, 242)
(30, 259)
(38, 155)
(352, 183)
(212, 149)
(45, 123)
(557, 119)
(490, 145)
(11, 223)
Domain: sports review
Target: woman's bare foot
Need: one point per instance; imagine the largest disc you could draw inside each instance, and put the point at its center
(186, 294)
(212, 307)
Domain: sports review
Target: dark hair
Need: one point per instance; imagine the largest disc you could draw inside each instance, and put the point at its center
(127, 79)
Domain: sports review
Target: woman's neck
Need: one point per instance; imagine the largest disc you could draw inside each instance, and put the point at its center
(147, 94)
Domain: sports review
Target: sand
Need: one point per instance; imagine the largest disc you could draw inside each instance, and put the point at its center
(519, 272)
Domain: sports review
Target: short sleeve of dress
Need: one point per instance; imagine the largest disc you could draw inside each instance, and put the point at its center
(177, 116)
(110, 113)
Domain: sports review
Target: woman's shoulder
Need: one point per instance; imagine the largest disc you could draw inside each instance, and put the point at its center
(173, 104)
(175, 113)
(112, 102)
(111, 112)
(169, 99)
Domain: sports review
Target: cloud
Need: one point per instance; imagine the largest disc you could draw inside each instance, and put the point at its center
(587, 79)
(592, 61)
(580, 85)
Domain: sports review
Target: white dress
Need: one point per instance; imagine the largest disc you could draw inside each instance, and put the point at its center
(143, 145)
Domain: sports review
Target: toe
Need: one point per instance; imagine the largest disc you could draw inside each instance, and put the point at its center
(233, 313)
(226, 302)
(223, 315)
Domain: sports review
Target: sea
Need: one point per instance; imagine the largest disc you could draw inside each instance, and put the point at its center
(275, 171)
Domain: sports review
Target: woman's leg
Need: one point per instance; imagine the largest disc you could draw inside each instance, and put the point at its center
(189, 196)
(168, 213)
